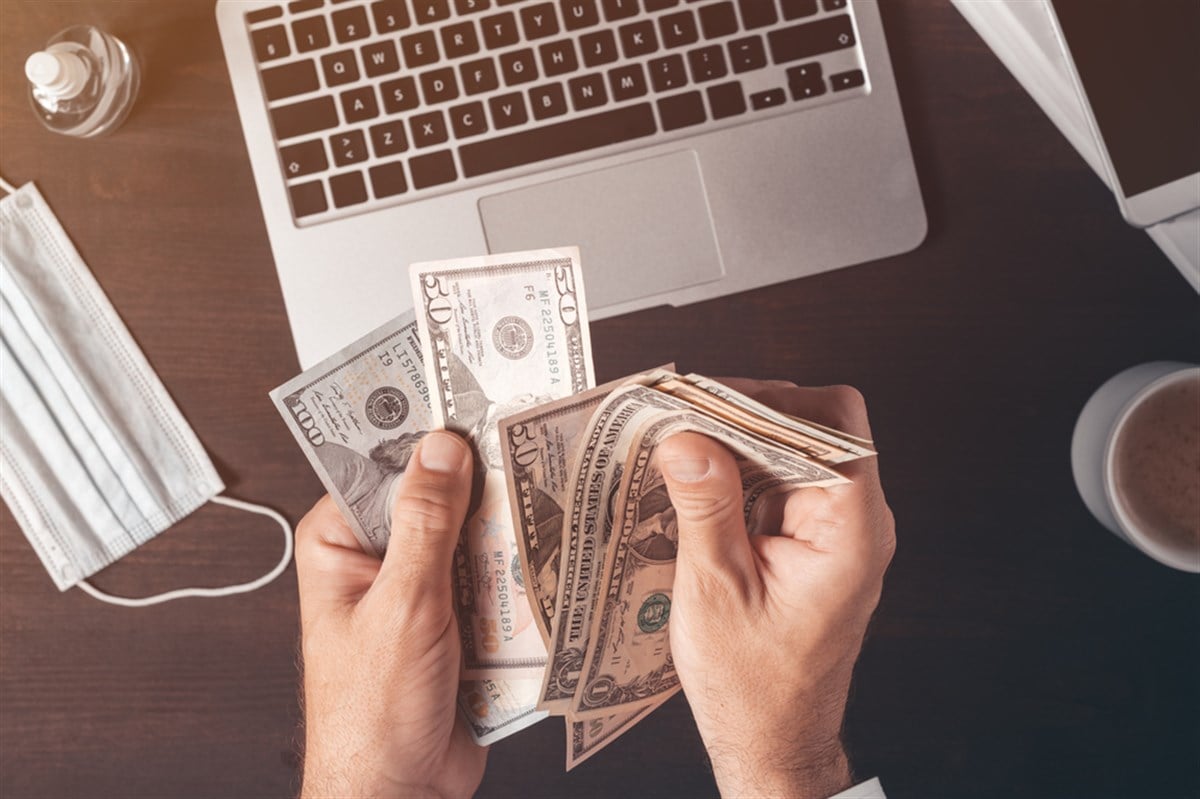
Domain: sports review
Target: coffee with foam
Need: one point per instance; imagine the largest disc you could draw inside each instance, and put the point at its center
(1156, 465)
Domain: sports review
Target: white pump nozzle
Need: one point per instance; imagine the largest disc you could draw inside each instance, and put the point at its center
(59, 74)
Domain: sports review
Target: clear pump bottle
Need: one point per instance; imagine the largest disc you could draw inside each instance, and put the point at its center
(83, 83)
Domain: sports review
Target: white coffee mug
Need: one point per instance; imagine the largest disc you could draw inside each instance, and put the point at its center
(1093, 457)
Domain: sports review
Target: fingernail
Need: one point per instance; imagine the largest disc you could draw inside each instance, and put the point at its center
(439, 452)
(687, 470)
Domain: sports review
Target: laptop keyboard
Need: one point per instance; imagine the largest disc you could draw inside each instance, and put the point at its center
(374, 104)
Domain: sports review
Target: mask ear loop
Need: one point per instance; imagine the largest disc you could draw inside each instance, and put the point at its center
(180, 593)
(8, 187)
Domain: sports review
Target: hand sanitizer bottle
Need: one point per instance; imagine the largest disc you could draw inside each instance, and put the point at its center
(83, 83)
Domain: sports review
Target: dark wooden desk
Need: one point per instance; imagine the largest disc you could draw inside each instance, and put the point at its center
(1020, 649)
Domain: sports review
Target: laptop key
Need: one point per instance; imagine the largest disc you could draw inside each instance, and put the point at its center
(339, 68)
(387, 138)
(757, 13)
(438, 85)
(598, 47)
(428, 129)
(399, 94)
(390, 15)
(747, 54)
(499, 30)
(619, 9)
(379, 58)
(308, 198)
(471, 6)
(810, 39)
(587, 91)
(638, 38)
(348, 189)
(804, 90)
(578, 14)
(518, 66)
(263, 14)
(627, 82)
(270, 43)
(478, 76)
(350, 24)
(548, 101)
(846, 80)
(681, 110)
(302, 118)
(289, 80)
(468, 120)
(767, 99)
(432, 169)
(557, 139)
(539, 21)
(459, 39)
(678, 29)
(310, 33)
(558, 58)
(802, 73)
(359, 104)
(718, 19)
(348, 148)
(707, 63)
(795, 9)
(420, 49)
(508, 110)
(387, 180)
(806, 81)
(667, 73)
(659, 5)
(303, 158)
(426, 11)
(726, 100)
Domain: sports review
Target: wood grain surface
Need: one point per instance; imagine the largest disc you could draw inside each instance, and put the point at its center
(1019, 650)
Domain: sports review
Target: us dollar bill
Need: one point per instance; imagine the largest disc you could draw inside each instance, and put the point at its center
(541, 448)
(628, 660)
(495, 708)
(586, 738)
(725, 404)
(358, 415)
(500, 333)
(597, 476)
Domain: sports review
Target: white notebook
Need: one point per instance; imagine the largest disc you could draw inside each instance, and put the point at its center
(1020, 33)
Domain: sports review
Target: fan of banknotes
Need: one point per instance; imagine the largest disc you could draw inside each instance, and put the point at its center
(564, 569)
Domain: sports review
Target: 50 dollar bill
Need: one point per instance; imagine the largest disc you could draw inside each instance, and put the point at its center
(500, 333)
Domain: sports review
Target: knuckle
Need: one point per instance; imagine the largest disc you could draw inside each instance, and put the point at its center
(849, 398)
(429, 510)
(887, 542)
(308, 531)
(703, 503)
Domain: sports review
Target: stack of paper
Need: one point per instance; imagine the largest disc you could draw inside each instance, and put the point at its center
(1021, 34)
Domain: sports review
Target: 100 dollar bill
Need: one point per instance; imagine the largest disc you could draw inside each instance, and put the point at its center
(357, 416)
(500, 333)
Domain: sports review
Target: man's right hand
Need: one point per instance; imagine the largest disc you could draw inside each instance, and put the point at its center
(765, 630)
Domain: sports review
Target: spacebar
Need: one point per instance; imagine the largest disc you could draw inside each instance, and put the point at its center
(561, 138)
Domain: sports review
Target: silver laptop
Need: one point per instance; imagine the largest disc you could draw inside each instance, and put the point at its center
(690, 149)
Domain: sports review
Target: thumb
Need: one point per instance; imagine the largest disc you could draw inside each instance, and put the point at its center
(427, 515)
(706, 489)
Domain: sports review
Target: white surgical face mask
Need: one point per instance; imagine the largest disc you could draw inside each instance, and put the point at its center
(95, 458)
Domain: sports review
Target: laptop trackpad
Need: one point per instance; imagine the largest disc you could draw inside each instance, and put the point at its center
(642, 228)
